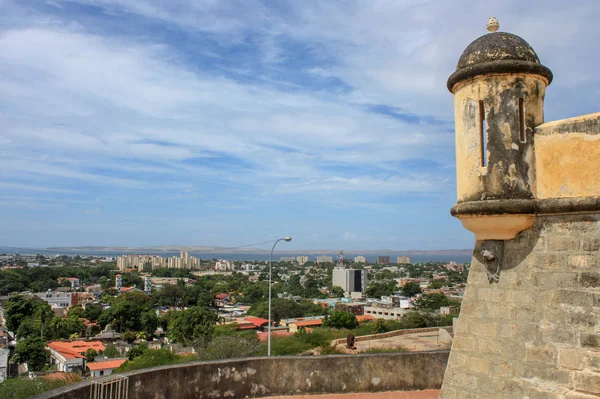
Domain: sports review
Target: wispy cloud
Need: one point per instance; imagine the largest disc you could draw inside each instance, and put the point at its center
(271, 114)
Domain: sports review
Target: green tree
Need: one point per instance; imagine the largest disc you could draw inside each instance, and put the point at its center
(379, 289)
(195, 325)
(31, 350)
(150, 322)
(337, 291)
(93, 311)
(111, 351)
(411, 289)
(75, 311)
(19, 307)
(126, 311)
(340, 320)
(380, 326)
(432, 301)
(436, 284)
(90, 354)
(151, 358)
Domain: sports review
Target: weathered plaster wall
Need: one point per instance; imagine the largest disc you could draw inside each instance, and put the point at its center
(510, 162)
(258, 377)
(567, 156)
(536, 333)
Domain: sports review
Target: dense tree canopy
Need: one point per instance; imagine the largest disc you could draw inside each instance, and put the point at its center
(411, 289)
(192, 326)
(31, 350)
(339, 320)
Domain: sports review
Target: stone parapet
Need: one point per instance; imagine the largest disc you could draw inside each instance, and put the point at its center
(286, 375)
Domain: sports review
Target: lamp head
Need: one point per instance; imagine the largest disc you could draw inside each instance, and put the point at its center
(288, 239)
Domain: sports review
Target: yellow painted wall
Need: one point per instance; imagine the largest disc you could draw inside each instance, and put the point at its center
(567, 154)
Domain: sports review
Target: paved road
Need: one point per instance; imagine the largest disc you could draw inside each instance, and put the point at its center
(433, 394)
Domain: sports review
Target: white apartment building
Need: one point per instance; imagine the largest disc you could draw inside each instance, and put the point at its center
(301, 259)
(403, 259)
(360, 259)
(224, 265)
(324, 259)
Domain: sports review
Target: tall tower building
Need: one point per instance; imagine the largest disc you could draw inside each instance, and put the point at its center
(118, 282)
(528, 327)
(351, 280)
(147, 285)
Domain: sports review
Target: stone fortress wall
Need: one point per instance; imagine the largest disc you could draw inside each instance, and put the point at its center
(530, 192)
(280, 375)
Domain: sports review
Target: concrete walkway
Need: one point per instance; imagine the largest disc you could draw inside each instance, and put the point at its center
(433, 394)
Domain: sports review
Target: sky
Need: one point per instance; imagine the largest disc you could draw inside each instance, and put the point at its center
(229, 122)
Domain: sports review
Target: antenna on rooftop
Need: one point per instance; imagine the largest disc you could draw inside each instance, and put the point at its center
(341, 259)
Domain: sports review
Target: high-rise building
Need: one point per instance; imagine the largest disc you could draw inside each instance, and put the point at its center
(302, 259)
(118, 282)
(403, 259)
(351, 280)
(383, 260)
(147, 285)
(324, 259)
(224, 265)
(360, 259)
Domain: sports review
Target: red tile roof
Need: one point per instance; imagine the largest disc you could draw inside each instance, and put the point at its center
(366, 317)
(222, 296)
(308, 323)
(105, 365)
(75, 349)
(257, 321)
(265, 336)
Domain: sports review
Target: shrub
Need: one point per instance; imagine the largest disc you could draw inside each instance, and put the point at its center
(152, 358)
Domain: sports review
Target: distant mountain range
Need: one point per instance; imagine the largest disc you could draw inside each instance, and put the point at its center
(209, 249)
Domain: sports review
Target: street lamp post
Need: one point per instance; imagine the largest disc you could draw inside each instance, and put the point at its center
(288, 239)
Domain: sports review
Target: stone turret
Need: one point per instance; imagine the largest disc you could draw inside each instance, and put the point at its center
(499, 87)
(529, 325)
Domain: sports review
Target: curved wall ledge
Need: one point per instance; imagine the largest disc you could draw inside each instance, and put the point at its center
(285, 375)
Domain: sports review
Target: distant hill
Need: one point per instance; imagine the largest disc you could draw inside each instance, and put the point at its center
(209, 249)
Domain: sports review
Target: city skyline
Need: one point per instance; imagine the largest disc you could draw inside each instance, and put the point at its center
(131, 123)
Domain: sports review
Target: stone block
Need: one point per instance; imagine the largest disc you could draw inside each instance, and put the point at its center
(486, 330)
(571, 359)
(583, 319)
(502, 368)
(478, 365)
(509, 388)
(590, 244)
(538, 393)
(548, 261)
(591, 341)
(563, 335)
(581, 261)
(577, 228)
(518, 297)
(587, 382)
(500, 312)
(489, 347)
(552, 281)
(579, 395)
(543, 354)
(464, 343)
(574, 298)
(592, 361)
(590, 279)
(507, 330)
(562, 243)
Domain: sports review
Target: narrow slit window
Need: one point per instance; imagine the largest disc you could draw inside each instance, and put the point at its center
(521, 121)
(482, 134)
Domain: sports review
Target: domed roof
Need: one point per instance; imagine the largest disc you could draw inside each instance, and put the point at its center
(497, 46)
(498, 52)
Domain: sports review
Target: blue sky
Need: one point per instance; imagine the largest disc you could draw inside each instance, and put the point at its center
(130, 122)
